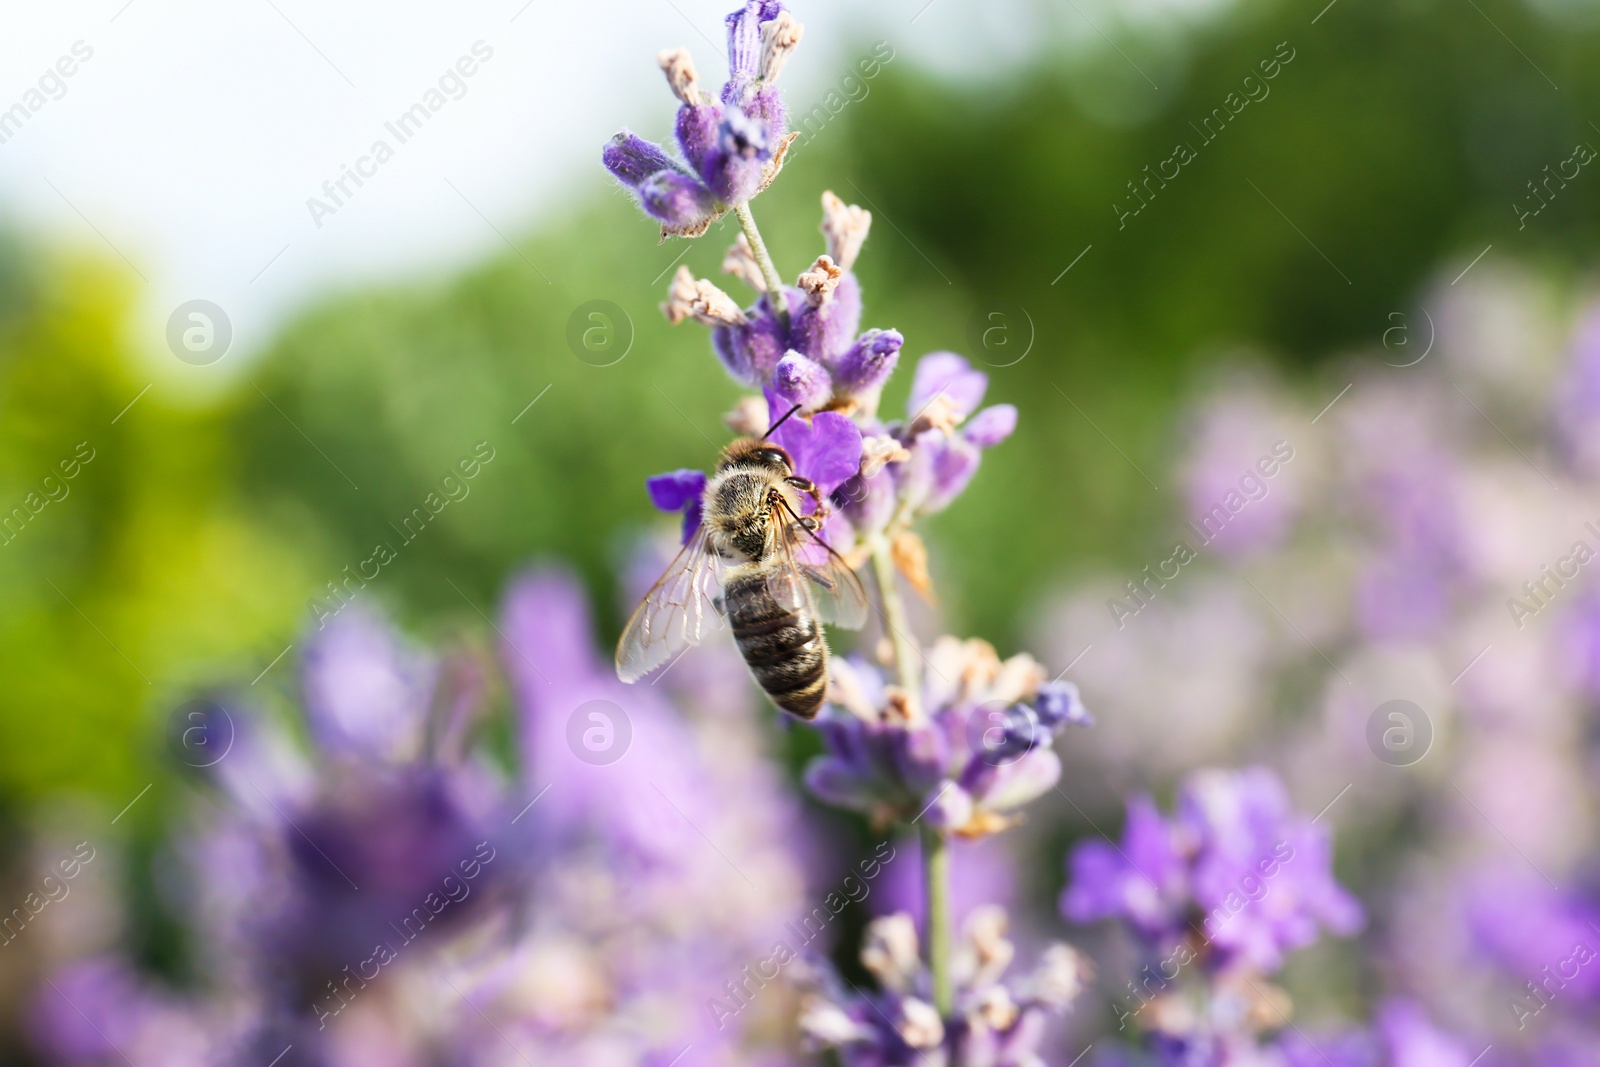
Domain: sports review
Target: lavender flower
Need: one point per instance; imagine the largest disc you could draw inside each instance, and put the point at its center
(730, 148)
(994, 1022)
(1236, 869)
(969, 750)
(497, 920)
(825, 448)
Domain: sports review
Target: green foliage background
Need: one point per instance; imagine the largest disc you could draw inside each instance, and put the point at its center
(189, 550)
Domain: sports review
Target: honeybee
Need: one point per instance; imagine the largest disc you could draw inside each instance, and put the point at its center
(759, 563)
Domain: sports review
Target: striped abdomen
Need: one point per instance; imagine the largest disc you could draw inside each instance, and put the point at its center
(784, 648)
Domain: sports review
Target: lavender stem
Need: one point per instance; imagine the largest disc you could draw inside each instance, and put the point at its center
(758, 249)
(935, 849)
(894, 621)
(936, 884)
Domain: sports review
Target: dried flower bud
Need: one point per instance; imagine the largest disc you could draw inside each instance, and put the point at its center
(911, 558)
(740, 261)
(691, 297)
(878, 450)
(845, 226)
(985, 952)
(825, 1024)
(749, 417)
(820, 281)
(1060, 975)
(681, 75)
(779, 37)
(920, 1025)
(889, 951)
(996, 1008)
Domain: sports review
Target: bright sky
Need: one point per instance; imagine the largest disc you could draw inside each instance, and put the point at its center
(190, 134)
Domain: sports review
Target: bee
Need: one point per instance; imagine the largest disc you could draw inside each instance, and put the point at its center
(758, 562)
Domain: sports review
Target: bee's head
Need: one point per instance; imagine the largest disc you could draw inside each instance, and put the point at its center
(754, 450)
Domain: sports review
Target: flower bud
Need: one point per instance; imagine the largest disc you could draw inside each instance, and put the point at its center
(681, 75)
(867, 364)
(676, 199)
(845, 226)
(826, 331)
(779, 38)
(802, 381)
(632, 159)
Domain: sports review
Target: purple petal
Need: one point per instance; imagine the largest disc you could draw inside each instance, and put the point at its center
(750, 352)
(826, 332)
(827, 449)
(842, 784)
(697, 132)
(991, 425)
(953, 467)
(366, 691)
(949, 375)
(675, 490)
(798, 380)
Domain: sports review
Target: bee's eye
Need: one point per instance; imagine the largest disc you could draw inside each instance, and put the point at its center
(772, 457)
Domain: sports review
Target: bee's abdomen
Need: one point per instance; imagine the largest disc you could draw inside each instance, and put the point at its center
(784, 648)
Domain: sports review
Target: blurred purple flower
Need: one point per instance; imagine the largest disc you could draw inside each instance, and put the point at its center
(995, 1022)
(972, 748)
(1258, 875)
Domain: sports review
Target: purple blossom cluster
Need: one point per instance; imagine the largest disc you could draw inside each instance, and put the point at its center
(953, 741)
(1216, 897)
(1419, 577)
(1236, 872)
(965, 754)
(388, 892)
(997, 1021)
(730, 147)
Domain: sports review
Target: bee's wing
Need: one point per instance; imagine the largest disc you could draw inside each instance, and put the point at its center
(679, 611)
(814, 575)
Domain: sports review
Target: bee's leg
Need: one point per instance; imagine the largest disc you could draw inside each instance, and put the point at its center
(807, 486)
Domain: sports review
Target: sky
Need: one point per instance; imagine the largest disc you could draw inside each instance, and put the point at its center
(199, 141)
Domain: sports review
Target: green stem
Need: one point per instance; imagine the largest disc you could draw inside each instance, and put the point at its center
(894, 621)
(758, 249)
(935, 849)
(936, 880)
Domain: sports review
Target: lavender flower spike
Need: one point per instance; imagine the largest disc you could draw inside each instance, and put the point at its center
(993, 1022)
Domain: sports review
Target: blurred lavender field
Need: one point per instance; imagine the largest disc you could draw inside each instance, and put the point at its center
(1227, 690)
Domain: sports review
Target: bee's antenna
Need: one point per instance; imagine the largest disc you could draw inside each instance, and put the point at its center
(780, 422)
